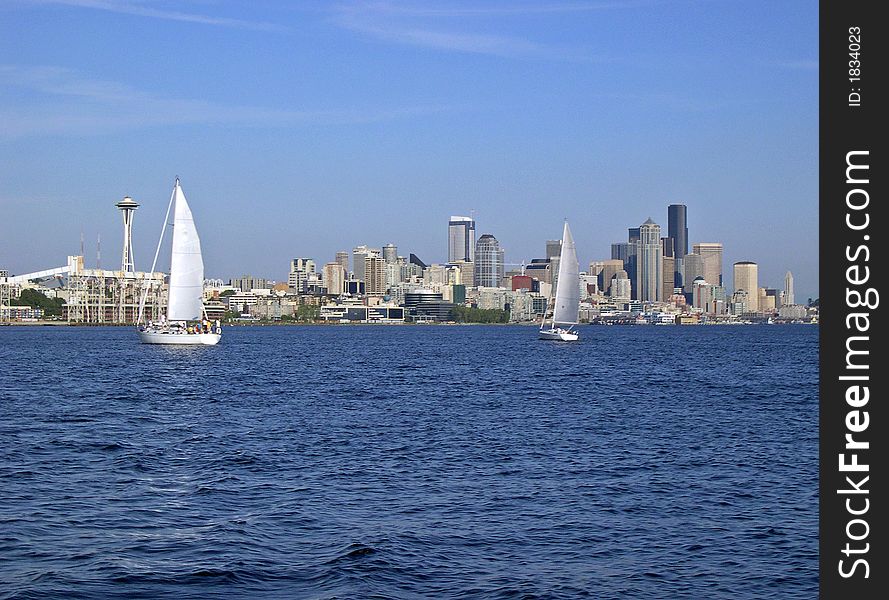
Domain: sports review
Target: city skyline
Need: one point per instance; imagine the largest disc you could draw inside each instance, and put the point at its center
(301, 130)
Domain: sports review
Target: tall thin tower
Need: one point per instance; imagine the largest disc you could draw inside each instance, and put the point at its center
(127, 206)
(788, 288)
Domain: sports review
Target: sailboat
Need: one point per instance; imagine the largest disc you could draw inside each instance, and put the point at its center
(186, 320)
(567, 296)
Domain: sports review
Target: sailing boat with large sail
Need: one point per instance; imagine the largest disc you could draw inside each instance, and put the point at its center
(186, 320)
(567, 296)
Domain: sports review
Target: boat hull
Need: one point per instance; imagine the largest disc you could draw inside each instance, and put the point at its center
(558, 335)
(179, 339)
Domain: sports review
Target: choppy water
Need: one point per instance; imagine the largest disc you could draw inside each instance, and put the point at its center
(410, 462)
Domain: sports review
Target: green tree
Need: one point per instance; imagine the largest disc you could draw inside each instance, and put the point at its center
(52, 307)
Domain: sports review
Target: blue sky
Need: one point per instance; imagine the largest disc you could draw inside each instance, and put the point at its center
(300, 129)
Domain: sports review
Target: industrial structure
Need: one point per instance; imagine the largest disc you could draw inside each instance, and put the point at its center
(96, 296)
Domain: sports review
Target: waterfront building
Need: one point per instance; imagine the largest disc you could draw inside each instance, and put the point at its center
(740, 303)
(768, 300)
(746, 278)
(649, 277)
(461, 239)
(489, 261)
(711, 261)
(788, 289)
(333, 277)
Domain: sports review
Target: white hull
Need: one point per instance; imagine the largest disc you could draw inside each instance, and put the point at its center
(558, 335)
(185, 339)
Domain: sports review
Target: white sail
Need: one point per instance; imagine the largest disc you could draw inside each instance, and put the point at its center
(185, 301)
(568, 285)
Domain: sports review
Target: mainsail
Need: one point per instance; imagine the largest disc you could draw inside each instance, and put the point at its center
(568, 284)
(185, 300)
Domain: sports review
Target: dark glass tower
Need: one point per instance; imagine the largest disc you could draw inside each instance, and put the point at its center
(677, 229)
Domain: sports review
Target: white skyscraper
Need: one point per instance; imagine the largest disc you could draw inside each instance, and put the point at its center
(461, 239)
(788, 288)
(649, 266)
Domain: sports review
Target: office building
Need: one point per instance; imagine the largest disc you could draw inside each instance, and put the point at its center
(461, 239)
(300, 269)
(342, 259)
(609, 268)
(788, 289)
(374, 275)
(692, 268)
(667, 277)
(677, 230)
(649, 263)
(489, 259)
(746, 278)
(359, 253)
(333, 277)
(620, 286)
(390, 254)
(711, 258)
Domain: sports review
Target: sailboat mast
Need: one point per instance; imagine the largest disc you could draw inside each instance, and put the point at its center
(156, 253)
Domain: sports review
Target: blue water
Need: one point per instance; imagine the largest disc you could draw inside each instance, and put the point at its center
(410, 462)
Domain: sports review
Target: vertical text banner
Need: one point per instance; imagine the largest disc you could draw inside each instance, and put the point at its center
(854, 436)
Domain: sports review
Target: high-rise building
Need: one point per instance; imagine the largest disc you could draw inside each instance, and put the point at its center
(649, 265)
(667, 277)
(342, 259)
(711, 258)
(374, 275)
(677, 229)
(692, 268)
(489, 259)
(390, 253)
(620, 286)
(333, 277)
(300, 269)
(609, 269)
(746, 276)
(461, 239)
(553, 249)
(359, 253)
(788, 288)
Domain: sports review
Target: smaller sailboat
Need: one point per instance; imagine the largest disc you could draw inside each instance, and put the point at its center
(567, 296)
(186, 320)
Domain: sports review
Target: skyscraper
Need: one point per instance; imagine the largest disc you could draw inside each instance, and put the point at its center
(711, 257)
(300, 269)
(342, 259)
(677, 228)
(609, 269)
(374, 275)
(461, 239)
(390, 253)
(788, 288)
(746, 276)
(359, 253)
(489, 258)
(649, 263)
(692, 268)
(333, 277)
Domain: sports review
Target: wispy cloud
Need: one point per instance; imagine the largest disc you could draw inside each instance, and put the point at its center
(143, 9)
(476, 9)
(420, 25)
(62, 101)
